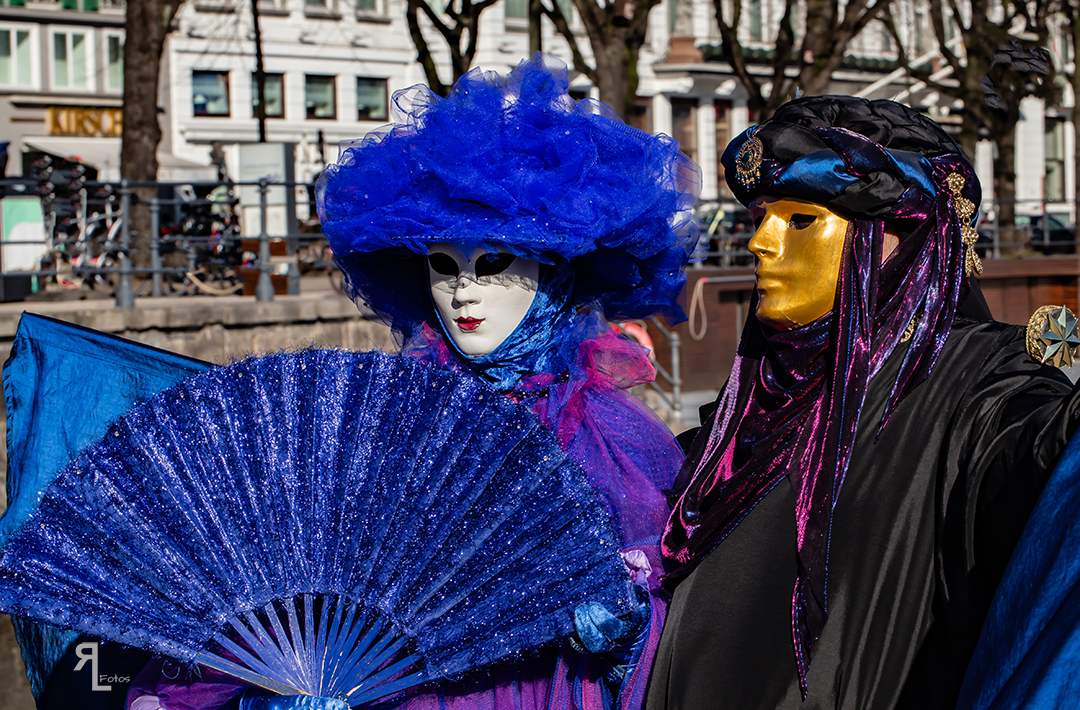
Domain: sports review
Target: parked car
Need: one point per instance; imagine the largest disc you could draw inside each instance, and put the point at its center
(729, 236)
(1050, 234)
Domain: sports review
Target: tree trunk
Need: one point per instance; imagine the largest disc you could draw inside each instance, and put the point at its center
(613, 78)
(146, 25)
(536, 14)
(994, 112)
(1012, 239)
(616, 33)
(1074, 80)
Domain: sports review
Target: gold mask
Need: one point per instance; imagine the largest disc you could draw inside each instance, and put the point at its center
(799, 246)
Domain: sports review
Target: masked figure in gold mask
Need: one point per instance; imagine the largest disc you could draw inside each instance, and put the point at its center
(852, 498)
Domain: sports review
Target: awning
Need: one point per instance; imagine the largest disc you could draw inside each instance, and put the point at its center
(100, 152)
(103, 153)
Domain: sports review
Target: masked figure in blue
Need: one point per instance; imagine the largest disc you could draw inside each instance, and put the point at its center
(497, 232)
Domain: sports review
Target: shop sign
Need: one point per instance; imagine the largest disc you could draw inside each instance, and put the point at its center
(84, 121)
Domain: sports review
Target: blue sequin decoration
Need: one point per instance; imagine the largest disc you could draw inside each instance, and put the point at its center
(289, 491)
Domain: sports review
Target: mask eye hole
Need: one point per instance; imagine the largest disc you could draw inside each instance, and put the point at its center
(491, 264)
(801, 221)
(443, 264)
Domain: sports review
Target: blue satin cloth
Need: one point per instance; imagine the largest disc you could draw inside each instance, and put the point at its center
(1029, 650)
(825, 175)
(63, 385)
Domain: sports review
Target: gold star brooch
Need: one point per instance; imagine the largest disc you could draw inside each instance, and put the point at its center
(1052, 336)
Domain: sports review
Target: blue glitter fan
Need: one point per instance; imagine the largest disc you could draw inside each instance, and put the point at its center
(325, 523)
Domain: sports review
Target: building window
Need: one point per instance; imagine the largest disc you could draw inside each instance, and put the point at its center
(756, 33)
(115, 73)
(1055, 159)
(567, 8)
(71, 55)
(922, 32)
(371, 100)
(370, 8)
(275, 95)
(320, 8)
(15, 54)
(516, 9)
(319, 96)
(723, 135)
(641, 114)
(210, 93)
(684, 125)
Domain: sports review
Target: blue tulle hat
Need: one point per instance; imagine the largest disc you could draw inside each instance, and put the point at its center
(512, 162)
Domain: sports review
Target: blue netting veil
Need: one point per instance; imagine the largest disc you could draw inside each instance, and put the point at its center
(512, 162)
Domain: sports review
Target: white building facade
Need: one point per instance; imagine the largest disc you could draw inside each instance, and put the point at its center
(61, 78)
(333, 66)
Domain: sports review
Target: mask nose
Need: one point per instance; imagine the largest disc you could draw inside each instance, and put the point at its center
(467, 290)
(766, 240)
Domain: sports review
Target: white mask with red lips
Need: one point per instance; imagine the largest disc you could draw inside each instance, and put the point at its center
(480, 297)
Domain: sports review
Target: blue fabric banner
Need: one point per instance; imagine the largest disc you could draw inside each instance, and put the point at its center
(63, 385)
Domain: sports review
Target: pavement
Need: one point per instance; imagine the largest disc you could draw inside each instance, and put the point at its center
(691, 401)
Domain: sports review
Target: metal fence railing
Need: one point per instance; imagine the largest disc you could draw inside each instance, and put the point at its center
(673, 400)
(203, 238)
(1041, 227)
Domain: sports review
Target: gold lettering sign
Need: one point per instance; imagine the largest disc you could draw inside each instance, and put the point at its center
(80, 121)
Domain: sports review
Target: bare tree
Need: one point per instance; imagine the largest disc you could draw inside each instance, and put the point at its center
(146, 26)
(993, 73)
(458, 24)
(829, 27)
(1070, 9)
(616, 32)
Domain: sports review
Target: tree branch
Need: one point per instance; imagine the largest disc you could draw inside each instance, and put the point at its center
(423, 52)
(785, 43)
(889, 21)
(937, 20)
(473, 26)
(434, 19)
(562, 26)
(732, 51)
(589, 11)
(868, 16)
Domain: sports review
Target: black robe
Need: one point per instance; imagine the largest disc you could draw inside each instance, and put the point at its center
(922, 530)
